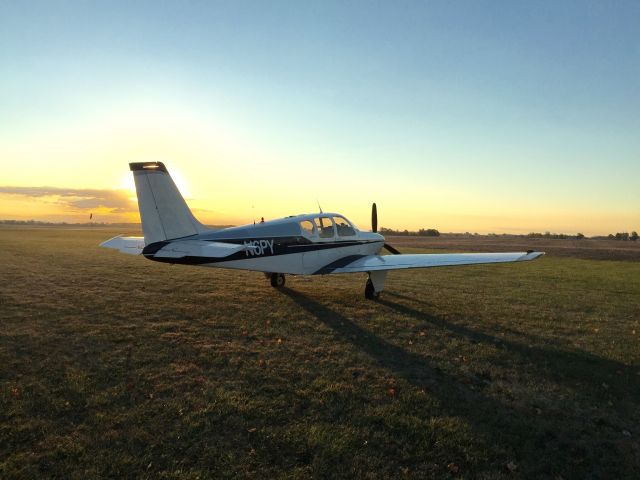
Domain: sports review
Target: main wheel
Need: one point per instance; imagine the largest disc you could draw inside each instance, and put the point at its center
(370, 292)
(277, 280)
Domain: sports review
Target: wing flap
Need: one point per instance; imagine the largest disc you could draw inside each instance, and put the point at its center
(371, 263)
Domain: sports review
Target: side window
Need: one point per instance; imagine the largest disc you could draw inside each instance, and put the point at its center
(307, 228)
(344, 227)
(324, 225)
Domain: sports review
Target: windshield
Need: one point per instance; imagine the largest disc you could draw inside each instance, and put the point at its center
(344, 227)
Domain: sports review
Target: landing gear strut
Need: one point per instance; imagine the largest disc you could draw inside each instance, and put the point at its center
(277, 280)
(370, 292)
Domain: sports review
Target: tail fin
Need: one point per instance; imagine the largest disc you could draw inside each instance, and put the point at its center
(164, 213)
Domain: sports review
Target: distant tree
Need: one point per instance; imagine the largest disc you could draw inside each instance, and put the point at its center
(634, 236)
(611, 236)
(560, 236)
(622, 236)
(579, 236)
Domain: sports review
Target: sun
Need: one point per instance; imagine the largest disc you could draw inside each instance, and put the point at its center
(181, 183)
(127, 183)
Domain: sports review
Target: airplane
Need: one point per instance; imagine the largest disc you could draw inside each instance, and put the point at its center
(308, 244)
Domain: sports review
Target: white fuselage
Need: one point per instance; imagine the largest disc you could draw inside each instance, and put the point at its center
(300, 245)
(299, 263)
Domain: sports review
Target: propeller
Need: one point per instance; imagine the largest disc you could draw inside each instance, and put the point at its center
(374, 218)
(392, 250)
(374, 229)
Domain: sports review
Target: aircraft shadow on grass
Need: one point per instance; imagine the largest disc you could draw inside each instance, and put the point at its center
(540, 443)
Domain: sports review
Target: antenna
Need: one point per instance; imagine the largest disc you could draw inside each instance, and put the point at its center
(319, 206)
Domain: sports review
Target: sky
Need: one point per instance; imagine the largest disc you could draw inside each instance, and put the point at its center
(480, 116)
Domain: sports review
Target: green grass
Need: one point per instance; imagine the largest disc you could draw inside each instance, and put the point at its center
(114, 366)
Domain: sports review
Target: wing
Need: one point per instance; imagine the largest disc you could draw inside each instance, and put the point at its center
(370, 263)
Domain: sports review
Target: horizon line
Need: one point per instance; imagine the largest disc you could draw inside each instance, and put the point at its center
(398, 232)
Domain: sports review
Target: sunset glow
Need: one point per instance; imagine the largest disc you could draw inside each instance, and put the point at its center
(459, 117)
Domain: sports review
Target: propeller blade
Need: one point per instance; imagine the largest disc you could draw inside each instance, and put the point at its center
(391, 249)
(374, 218)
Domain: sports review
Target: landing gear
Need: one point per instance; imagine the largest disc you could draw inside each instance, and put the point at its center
(277, 280)
(370, 292)
(375, 284)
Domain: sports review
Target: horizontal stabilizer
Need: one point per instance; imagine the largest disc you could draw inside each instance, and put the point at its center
(198, 248)
(130, 245)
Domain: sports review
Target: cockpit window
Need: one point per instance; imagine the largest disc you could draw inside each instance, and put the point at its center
(307, 227)
(344, 227)
(324, 225)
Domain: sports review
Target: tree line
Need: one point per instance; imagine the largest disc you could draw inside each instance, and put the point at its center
(562, 236)
(428, 232)
(624, 236)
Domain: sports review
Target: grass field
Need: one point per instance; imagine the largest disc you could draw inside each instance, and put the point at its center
(114, 366)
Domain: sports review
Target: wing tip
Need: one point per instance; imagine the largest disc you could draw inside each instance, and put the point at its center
(531, 255)
(110, 243)
(131, 245)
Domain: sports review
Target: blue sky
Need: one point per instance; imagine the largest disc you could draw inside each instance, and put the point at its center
(499, 114)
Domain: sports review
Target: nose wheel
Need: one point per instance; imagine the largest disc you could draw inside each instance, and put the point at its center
(277, 280)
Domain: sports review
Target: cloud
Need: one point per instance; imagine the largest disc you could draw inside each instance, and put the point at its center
(115, 201)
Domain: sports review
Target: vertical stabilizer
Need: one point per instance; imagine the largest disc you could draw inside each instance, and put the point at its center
(164, 213)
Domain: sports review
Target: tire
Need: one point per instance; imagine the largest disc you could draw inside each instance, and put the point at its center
(369, 291)
(277, 280)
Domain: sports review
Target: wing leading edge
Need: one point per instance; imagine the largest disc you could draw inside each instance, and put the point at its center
(372, 263)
